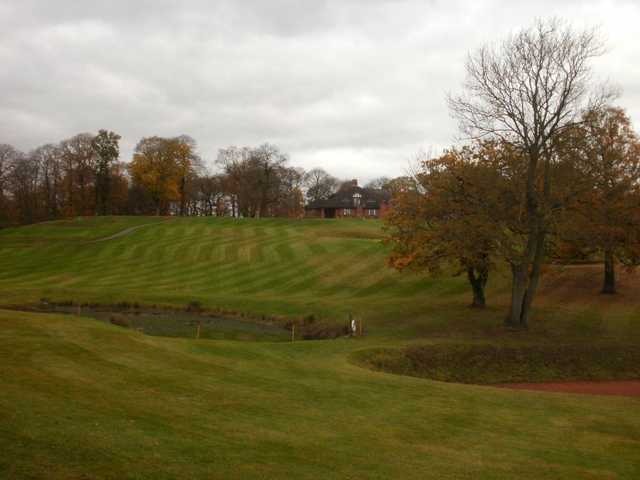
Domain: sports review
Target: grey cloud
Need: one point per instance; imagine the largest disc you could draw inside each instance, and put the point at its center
(357, 86)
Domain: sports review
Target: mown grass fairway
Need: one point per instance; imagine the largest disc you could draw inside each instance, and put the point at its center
(271, 266)
(282, 267)
(84, 399)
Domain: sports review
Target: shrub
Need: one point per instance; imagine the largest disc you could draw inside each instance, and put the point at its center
(194, 306)
(490, 364)
(119, 320)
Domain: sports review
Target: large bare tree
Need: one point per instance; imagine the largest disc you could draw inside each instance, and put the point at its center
(525, 91)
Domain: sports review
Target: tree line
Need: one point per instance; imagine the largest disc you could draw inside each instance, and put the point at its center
(550, 172)
(83, 175)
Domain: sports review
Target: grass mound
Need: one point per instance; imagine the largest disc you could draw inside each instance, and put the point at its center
(490, 364)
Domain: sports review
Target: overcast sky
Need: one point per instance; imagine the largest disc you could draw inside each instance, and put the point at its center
(354, 86)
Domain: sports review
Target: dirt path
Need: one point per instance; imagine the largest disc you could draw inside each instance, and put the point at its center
(125, 232)
(623, 388)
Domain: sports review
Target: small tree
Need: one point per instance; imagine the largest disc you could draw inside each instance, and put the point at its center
(445, 222)
(606, 217)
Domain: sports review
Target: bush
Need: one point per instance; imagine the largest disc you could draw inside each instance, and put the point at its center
(194, 306)
(119, 320)
(319, 331)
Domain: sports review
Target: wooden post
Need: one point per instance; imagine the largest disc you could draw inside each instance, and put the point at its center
(198, 329)
(293, 332)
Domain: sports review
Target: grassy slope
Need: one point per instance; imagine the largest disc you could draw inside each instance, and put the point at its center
(81, 397)
(266, 266)
(327, 268)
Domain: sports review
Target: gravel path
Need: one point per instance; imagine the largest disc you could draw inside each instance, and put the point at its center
(623, 388)
(125, 232)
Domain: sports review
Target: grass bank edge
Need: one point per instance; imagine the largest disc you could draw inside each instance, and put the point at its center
(493, 364)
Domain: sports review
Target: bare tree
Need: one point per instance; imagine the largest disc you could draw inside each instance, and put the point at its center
(525, 91)
(380, 183)
(319, 184)
(79, 170)
(210, 193)
(234, 161)
(8, 158)
(24, 180)
(255, 178)
(50, 159)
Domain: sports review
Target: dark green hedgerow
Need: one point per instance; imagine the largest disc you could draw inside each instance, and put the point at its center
(489, 364)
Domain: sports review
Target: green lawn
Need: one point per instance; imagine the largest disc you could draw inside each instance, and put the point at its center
(84, 399)
(263, 267)
(80, 398)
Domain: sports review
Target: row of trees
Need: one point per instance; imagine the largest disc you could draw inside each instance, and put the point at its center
(78, 176)
(551, 172)
(84, 176)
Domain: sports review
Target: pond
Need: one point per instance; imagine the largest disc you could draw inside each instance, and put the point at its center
(168, 323)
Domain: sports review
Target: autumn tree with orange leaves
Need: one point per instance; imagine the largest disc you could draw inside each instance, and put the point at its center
(606, 218)
(429, 228)
(161, 166)
(468, 214)
(455, 219)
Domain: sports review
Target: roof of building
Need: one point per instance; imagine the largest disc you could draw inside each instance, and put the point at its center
(347, 195)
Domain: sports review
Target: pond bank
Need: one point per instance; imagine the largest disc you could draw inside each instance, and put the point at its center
(173, 323)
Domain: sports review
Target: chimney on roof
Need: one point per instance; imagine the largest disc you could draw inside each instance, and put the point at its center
(354, 182)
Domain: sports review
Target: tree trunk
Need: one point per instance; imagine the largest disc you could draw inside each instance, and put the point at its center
(478, 283)
(518, 293)
(524, 287)
(183, 196)
(533, 280)
(83, 201)
(609, 286)
(526, 274)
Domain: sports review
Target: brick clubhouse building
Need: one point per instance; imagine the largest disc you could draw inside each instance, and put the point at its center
(351, 201)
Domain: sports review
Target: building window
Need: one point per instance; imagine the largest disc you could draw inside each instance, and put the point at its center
(373, 212)
(357, 197)
(346, 212)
